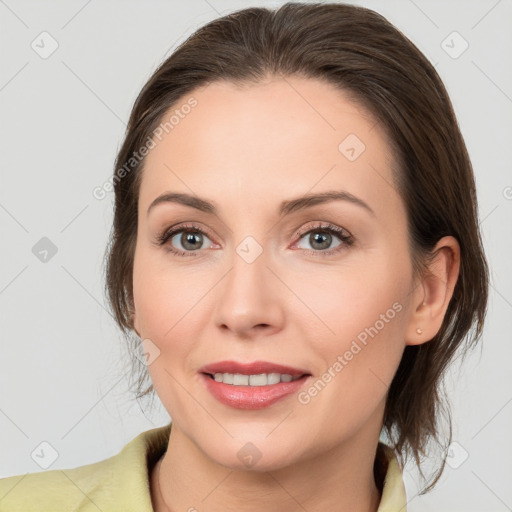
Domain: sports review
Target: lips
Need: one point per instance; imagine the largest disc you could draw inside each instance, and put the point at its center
(254, 368)
(252, 396)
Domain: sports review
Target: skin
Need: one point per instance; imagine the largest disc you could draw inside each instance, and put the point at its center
(246, 150)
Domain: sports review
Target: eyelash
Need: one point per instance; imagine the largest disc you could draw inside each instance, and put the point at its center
(346, 239)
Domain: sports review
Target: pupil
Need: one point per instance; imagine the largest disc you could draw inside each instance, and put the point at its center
(189, 240)
(325, 236)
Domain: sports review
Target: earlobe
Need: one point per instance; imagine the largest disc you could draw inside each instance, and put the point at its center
(434, 292)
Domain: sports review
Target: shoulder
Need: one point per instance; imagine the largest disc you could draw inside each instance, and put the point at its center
(119, 483)
(56, 490)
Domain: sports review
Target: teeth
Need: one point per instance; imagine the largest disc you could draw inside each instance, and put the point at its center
(257, 380)
(263, 379)
(273, 378)
(240, 380)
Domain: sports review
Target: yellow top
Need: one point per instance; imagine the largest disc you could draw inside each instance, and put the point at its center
(121, 482)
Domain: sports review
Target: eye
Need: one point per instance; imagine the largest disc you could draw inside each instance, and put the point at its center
(321, 238)
(189, 237)
(188, 240)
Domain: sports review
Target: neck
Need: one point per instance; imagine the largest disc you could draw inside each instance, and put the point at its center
(342, 479)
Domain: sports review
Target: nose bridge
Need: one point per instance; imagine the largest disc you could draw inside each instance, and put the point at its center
(249, 294)
(249, 275)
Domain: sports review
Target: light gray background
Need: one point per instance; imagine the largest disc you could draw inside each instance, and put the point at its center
(62, 367)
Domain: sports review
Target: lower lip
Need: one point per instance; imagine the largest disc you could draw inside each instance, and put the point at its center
(251, 397)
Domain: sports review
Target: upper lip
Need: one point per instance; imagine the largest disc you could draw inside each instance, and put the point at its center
(254, 368)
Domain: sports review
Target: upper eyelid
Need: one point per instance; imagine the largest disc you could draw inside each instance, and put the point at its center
(319, 225)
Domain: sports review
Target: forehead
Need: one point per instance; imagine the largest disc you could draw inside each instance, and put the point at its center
(263, 142)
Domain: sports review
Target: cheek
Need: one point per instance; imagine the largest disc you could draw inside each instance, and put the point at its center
(346, 300)
(361, 317)
(166, 302)
(165, 298)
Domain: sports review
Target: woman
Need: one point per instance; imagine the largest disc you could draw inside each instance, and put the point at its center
(296, 246)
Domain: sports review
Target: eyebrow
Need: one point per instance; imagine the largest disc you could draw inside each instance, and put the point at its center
(287, 207)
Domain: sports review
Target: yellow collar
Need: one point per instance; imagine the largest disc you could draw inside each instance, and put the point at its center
(121, 482)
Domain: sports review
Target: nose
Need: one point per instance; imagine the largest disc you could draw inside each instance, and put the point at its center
(250, 297)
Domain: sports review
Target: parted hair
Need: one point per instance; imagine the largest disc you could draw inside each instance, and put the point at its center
(366, 57)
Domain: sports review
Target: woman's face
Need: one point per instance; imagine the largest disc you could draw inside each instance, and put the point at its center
(262, 280)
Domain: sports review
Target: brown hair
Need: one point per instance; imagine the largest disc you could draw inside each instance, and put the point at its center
(361, 53)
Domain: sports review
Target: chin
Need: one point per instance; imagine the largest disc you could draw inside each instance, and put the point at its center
(258, 455)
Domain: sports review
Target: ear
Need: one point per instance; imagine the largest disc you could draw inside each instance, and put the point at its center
(432, 294)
